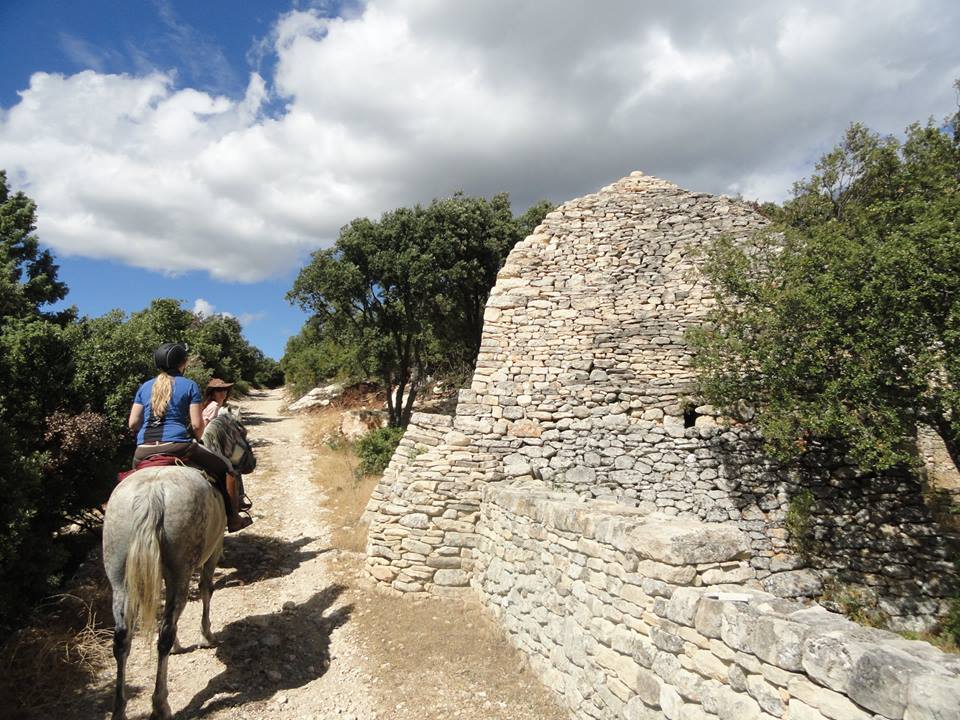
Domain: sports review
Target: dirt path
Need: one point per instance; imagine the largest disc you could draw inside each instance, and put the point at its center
(303, 634)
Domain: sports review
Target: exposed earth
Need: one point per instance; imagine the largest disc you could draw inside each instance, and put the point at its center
(302, 632)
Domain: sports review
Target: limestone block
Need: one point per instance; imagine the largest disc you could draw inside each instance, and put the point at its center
(880, 680)
(687, 542)
(415, 520)
(682, 606)
(461, 540)
(690, 685)
(666, 665)
(690, 711)
(526, 429)
(637, 710)
(829, 657)
(670, 702)
(674, 574)
(779, 642)
(451, 578)
(794, 583)
(933, 697)
(797, 710)
(517, 470)
(831, 704)
(580, 474)
(738, 624)
(718, 576)
(766, 695)
(407, 586)
(708, 617)
(666, 640)
(415, 546)
(646, 685)
(383, 573)
(732, 705)
(709, 665)
(445, 562)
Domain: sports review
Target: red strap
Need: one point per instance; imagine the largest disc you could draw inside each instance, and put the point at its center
(158, 460)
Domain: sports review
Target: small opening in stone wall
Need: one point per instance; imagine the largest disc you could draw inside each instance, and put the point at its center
(690, 416)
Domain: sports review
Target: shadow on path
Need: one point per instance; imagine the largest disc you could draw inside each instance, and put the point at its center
(264, 654)
(251, 417)
(252, 558)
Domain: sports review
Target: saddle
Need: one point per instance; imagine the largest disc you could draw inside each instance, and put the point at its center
(165, 460)
(152, 461)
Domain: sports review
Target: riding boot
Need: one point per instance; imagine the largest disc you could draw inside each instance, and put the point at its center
(235, 521)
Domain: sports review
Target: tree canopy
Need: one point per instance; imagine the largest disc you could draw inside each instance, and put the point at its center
(842, 322)
(403, 296)
(66, 384)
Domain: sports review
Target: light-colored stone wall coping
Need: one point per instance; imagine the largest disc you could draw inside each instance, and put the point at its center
(423, 419)
(652, 535)
(741, 643)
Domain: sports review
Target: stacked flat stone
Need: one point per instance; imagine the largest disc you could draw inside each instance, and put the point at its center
(584, 379)
(423, 513)
(619, 614)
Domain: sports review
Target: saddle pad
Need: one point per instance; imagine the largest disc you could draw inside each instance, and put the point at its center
(152, 461)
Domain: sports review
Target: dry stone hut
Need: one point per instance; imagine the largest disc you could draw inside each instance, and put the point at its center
(593, 504)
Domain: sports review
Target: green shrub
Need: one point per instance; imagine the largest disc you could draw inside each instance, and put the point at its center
(951, 625)
(799, 523)
(377, 447)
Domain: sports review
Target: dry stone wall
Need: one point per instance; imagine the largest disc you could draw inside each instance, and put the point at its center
(620, 613)
(423, 513)
(584, 382)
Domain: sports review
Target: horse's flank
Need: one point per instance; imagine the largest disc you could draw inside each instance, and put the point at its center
(147, 511)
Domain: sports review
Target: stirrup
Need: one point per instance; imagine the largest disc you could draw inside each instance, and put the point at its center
(243, 521)
(245, 503)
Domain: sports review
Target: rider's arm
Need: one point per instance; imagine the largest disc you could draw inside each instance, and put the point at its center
(196, 420)
(136, 417)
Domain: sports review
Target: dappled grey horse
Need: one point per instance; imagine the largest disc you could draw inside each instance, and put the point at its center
(161, 524)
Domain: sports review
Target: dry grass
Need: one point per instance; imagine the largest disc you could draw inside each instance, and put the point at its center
(336, 471)
(46, 665)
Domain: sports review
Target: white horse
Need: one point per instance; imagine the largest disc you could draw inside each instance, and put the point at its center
(161, 524)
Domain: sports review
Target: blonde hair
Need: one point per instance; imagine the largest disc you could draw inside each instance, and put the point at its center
(160, 394)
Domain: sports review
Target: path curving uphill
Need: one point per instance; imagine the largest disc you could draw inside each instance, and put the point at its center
(303, 634)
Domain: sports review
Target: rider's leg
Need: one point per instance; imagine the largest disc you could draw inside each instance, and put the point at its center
(235, 521)
(219, 469)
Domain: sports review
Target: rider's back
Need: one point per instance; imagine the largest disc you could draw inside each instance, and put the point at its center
(174, 424)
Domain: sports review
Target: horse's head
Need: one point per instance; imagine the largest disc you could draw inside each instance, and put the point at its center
(225, 435)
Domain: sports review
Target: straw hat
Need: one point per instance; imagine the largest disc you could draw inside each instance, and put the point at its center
(218, 384)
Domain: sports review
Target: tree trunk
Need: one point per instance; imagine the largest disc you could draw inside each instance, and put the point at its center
(408, 407)
(945, 430)
(396, 415)
(392, 409)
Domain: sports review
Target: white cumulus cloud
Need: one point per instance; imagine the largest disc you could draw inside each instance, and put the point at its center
(405, 100)
(204, 309)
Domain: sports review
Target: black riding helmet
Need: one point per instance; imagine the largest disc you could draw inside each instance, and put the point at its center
(170, 356)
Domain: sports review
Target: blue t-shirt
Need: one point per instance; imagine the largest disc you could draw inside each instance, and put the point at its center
(174, 425)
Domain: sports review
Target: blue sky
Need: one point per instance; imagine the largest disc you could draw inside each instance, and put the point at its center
(212, 45)
(202, 150)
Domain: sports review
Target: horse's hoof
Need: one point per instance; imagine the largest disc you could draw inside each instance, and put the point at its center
(162, 713)
(207, 642)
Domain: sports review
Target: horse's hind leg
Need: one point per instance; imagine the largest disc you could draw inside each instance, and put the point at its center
(122, 634)
(176, 599)
(206, 592)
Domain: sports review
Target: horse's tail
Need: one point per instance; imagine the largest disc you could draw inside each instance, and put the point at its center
(143, 570)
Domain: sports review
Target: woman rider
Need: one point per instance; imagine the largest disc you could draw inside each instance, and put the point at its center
(166, 416)
(214, 399)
